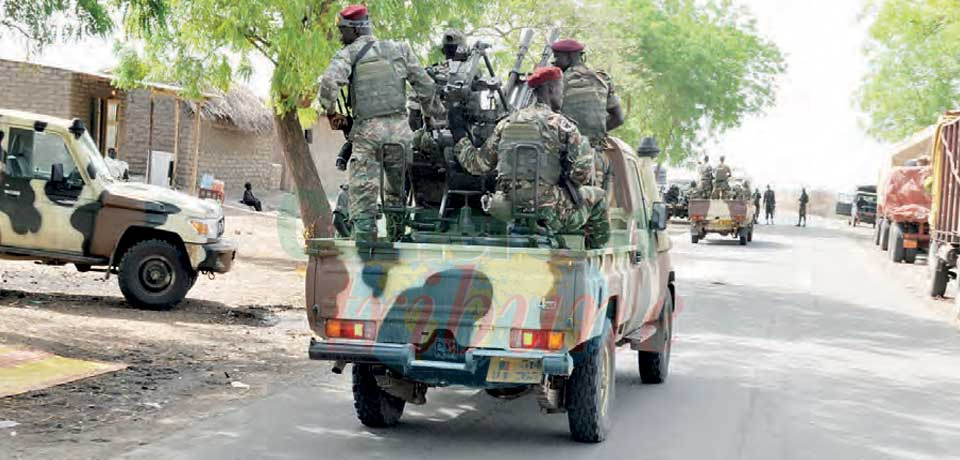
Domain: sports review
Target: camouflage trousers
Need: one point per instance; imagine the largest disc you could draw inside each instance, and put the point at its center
(705, 190)
(390, 138)
(591, 217)
(721, 189)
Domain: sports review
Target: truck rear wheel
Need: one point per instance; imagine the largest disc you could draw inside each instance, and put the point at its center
(154, 274)
(885, 235)
(694, 238)
(655, 365)
(876, 234)
(895, 244)
(743, 237)
(939, 276)
(375, 407)
(590, 389)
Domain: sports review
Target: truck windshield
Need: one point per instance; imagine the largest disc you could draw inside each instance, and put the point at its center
(89, 149)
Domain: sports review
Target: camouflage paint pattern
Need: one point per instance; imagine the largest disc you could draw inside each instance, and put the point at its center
(90, 221)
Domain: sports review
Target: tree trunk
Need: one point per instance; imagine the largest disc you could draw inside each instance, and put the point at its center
(314, 206)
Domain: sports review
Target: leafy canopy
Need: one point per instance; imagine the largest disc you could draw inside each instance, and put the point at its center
(43, 22)
(914, 73)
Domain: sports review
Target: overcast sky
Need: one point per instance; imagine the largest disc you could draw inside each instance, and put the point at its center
(812, 136)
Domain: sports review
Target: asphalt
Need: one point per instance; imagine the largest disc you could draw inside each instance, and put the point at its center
(806, 344)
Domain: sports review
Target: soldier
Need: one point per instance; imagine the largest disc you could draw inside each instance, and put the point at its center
(452, 41)
(589, 99)
(756, 206)
(565, 161)
(804, 199)
(721, 178)
(769, 204)
(377, 72)
(706, 178)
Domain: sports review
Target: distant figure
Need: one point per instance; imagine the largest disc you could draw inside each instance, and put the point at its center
(721, 180)
(756, 205)
(769, 204)
(250, 199)
(804, 199)
(120, 170)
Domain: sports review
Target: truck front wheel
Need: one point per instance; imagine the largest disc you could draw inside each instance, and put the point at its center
(153, 274)
(939, 277)
(590, 389)
(885, 235)
(375, 407)
(743, 236)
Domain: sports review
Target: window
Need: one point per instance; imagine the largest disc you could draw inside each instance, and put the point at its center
(32, 154)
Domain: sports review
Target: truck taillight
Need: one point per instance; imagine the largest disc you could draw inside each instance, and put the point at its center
(346, 329)
(536, 339)
(696, 217)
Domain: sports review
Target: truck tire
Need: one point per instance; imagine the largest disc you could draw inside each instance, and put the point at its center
(375, 407)
(895, 244)
(876, 234)
(939, 276)
(153, 274)
(694, 238)
(885, 235)
(743, 237)
(590, 389)
(655, 365)
(909, 255)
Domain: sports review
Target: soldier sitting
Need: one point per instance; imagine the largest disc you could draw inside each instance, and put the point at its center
(546, 184)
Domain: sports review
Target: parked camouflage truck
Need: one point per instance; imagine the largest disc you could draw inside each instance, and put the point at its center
(462, 301)
(726, 217)
(60, 205)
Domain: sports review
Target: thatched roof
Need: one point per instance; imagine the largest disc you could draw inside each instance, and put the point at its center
(240, 109)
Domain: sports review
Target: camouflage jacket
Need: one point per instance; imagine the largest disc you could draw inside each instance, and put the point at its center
(562, 133)
(706, 172)
(439, 72)
(337, 73)
(722, 173)
(579, 114)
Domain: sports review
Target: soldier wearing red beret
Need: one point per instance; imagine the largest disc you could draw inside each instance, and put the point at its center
(589, 99)
(377, 72)
(542, 164)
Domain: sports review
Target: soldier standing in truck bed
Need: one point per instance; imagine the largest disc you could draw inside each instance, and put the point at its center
(377, 72)
(721, 180)
(562, 153)
(705, 171)
(589, 100)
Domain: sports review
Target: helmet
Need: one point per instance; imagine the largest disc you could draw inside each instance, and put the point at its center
(453, 37)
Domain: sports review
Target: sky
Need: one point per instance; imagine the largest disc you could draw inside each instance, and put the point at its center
(812, 137)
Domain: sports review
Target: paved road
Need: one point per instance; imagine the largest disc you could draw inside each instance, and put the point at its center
(805, 345)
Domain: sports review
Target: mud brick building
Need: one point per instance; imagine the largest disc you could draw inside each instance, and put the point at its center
(154, 130)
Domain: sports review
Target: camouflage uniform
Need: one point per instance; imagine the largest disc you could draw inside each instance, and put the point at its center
(706, 181)
(804, 199)
(380, 125)
(588, 95)
(721, 184)
(555, 209)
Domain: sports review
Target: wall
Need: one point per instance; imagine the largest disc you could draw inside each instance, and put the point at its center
(324, 148)
(236, 157)
(37, 89)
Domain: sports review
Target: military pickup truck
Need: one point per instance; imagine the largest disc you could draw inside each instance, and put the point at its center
(726, 217)
(60, 205)
(468, 302)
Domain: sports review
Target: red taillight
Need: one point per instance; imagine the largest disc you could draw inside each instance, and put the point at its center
(346, 329)
(696, 217)
(536, 339)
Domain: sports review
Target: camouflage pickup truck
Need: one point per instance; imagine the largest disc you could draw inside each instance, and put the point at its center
(60, 205)
(725, 217)
(462, 301)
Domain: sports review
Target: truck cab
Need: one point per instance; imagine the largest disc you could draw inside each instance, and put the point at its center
(464, 303)
(59, 204)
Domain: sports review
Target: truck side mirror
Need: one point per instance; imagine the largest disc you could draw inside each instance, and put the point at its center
(56, 174)
(658, 220)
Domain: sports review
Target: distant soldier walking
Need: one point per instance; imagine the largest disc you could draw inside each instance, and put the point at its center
(545, 181)
(804, 199)
(377, 72)
(756, 206)
(721, 181)
(589, 99)
(769, 204)
(705, 171)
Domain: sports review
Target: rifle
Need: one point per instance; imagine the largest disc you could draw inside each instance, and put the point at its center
(566, 182)
(526, 94)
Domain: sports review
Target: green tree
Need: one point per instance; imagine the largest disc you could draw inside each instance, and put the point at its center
(43, 22)
(914, 73)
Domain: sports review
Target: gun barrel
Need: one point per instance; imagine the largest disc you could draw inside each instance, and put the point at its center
(526, 37)
(524, 96)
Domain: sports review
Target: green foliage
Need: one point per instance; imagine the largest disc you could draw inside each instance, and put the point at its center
(43, 22)
(914, 73)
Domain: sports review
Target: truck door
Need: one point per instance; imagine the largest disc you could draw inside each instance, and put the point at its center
(37, 212)
(643, 284)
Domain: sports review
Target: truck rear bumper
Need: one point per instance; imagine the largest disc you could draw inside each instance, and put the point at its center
(402, 358)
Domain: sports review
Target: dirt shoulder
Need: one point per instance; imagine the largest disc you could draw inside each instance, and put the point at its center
(235, 338)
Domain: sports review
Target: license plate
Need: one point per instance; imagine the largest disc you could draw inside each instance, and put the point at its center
(515, 370)
(910, 244)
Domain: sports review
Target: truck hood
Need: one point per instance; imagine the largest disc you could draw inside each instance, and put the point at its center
(158, 199)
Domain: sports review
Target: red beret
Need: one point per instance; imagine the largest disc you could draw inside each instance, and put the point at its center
(567, 45)
(353, 12)
(544, 75)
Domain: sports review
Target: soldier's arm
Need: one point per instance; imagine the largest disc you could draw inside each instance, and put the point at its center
(419, 79)
(336, 75)
(479, 160)
(615, 117)
(579, 152)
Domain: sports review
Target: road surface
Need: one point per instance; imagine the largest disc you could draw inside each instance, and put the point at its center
(807, 344)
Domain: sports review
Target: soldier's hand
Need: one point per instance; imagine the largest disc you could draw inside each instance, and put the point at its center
(341, 164)
(338, 122)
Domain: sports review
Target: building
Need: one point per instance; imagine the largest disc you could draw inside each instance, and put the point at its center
(157, 133)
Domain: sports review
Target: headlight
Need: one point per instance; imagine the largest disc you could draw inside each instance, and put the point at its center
(209, 228)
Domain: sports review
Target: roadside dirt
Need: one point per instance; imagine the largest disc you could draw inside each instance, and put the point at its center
(234, 338)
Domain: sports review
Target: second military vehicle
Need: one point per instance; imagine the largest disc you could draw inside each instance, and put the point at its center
(725, 217)
(60, 205)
